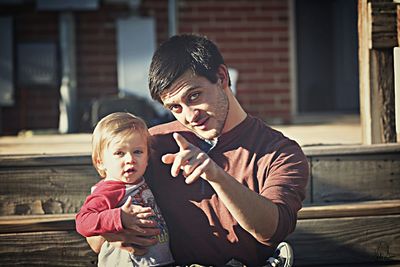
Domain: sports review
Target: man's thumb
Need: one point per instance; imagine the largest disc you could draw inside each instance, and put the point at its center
(168, 158)
(128, 203)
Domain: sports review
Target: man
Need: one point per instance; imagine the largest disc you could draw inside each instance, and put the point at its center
(235, 185)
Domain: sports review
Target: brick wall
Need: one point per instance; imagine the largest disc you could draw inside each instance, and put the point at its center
(35, 107)
(252, 36)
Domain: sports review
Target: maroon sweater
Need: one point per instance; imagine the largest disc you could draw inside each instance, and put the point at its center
(202, 230)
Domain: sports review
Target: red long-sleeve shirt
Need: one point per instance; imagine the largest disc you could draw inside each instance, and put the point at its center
(202, 229)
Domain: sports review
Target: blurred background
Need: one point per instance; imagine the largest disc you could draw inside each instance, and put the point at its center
(65, 64)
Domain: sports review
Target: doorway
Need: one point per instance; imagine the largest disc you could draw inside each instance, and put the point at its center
(327, 56)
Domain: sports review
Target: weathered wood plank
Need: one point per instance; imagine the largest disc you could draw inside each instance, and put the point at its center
(64, 222)
(64, 248)
(346, 240)
(382, 85)
(383, 24)
(46, 189)
(352, 150)
(60, 183)
(367, 124)
(46, 143)
(340, 241)
(44, 160)
(396, 58)
(37, 223)
(85, 159)
(361, 178)
(355, 209)
(376, 74)
(398, 22)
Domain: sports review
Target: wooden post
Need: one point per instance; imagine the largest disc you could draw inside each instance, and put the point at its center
(68, 89)
(397, 89)
(397, 77)
(377, 30)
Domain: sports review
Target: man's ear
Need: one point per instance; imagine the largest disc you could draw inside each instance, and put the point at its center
(223, 75)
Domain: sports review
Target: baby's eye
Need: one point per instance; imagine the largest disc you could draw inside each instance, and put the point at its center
(138, 151)
(118, 153)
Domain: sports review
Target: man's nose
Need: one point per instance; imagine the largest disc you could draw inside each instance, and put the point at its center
(191, 114)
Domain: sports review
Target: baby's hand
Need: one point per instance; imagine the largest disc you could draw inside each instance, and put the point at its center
(135, 217)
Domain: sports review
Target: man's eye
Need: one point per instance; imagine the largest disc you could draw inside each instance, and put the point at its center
(193, 97)
(174, 108)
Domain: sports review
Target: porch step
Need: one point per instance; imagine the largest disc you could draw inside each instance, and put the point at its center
(347, 234)
(59, 183)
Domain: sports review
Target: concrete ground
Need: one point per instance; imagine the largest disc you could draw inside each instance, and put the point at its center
(339, 132)
(323, 134)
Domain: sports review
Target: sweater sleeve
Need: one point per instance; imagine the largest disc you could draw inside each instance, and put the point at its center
(99, 214)
(285, 185)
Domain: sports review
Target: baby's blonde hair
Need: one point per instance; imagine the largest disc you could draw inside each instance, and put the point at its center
(115, 125)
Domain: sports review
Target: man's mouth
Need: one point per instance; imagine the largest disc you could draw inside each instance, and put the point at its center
(200, 123)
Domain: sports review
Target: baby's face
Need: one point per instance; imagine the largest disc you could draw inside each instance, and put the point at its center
(125, 159)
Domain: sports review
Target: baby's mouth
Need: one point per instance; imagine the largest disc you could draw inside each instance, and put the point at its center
(130, 170)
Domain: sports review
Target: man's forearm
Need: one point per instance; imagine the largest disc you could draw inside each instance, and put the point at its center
(254, 213)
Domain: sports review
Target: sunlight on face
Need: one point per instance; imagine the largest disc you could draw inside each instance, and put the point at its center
(125, 159)
(198, 104)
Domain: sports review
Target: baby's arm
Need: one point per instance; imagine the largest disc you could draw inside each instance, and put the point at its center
(98, 216)
(136, 238)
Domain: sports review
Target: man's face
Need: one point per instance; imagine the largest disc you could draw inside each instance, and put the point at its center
(198, 104)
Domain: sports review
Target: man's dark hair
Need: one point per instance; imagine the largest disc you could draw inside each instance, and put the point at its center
(179, 54)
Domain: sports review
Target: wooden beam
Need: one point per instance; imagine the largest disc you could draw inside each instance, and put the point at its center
(383, 19)
(52, 248)
(66, 222)
(37, 223)
(353, 173)
(377, 37)
(396, 54)
(398, 22)
(355, 178)
(352, 150)
(45, 189)
(352, 209)
(382, 90)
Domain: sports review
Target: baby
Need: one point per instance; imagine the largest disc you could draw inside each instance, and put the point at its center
(122, 200)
